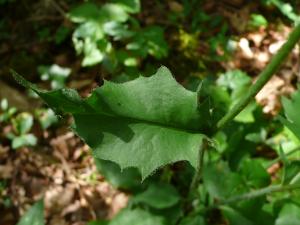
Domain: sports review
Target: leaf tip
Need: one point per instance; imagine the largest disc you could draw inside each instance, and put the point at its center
(164, 69)
(22, 81)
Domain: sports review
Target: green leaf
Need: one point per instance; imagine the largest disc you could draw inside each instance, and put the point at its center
(220, 182)
(92, 55)
(158, 196)
(138, 217)
(4, 104)
(88, 12)
(249, 216)
(258, 20)
(46, 117)
(237, 82)
(286, 9)
(250, 207)
(89, 39)
(234, 79)
(56, 74)
(117, 30)
(254, 173)
(90, 30)
(246, 115)
(126, 59)
(35, 215)
(23, 122)
(149, 41)
(62, 100)
(61, 34)
(145, 123)
(24, 140)
(291, 109)
(84, 12)
(114, 12)
(234, 217)
(171, 215)
(131, 6)
(289, 214)
(291, 172)
(196, 220)
(213, 102)
(128, 178)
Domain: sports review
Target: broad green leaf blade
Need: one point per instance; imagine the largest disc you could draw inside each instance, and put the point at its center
(234, 80)
(46, 117)
(114, 12)
(291, 109)
(136, 144)
(234, 217)
(145, 123)
(127, 179)
(62, 100)
(137, 217)
(254, 173)
(131, 6)
(158, 99)
(24, 140)
(291, 172)
(289, 214)
(35, 215)
(84, 12)
(238, 83)
(196, 220)
(23, 122)
(171, 215)
(149, 41)
(247, 216)
(221, 182)
(159, 196)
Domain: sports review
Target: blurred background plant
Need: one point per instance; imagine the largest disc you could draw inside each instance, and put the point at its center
(55, 74)
(108, 34)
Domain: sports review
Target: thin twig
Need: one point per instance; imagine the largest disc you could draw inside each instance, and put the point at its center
(263, 77)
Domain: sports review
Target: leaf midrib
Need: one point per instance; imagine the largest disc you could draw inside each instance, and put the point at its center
(136, 120)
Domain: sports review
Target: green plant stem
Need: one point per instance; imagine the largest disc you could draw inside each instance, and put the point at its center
(263, 77)
(258, 193)
(196, 178)
(278, 159)
(198, 172)
(247, 196)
